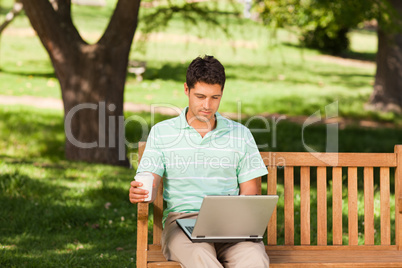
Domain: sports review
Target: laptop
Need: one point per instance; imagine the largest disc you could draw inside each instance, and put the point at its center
(232, 218)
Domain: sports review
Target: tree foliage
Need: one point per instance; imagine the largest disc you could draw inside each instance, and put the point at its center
(324, 24)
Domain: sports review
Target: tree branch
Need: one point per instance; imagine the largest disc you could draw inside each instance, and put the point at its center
(122, 25)
(64, 10)
(17, 8)
(53, 27)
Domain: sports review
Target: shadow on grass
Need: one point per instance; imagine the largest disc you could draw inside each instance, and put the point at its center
(46, 223)
(41, 134)
(168, 71)
(346, 54)
(28, 73)
(363, 56)
(285, 136)
(38, 134)
(300, 73)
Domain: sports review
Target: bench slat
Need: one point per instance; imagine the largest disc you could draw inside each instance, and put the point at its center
(331, 247)
(271, 185)
(337, 205)
(398, 197)
(385, 207)
(158, 213)
(164, 264)
(313, 256)
(368, 206)
(321, 206)
(334, 258)
(305, 205)
(329, 159)
(352, 206)
(258, 179)
(289, 205)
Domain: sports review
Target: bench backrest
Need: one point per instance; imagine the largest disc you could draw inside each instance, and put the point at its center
(332, 174)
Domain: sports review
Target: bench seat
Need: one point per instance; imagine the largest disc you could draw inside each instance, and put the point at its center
(311, 256)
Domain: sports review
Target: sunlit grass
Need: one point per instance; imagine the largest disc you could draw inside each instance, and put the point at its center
(268, 72)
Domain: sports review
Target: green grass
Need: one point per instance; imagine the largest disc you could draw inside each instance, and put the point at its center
(266, 74)
(55, 213)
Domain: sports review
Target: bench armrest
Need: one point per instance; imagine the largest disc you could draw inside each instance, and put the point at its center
(142, 234)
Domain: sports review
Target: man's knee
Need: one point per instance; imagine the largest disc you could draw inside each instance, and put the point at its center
(193, 255)
(261, 254)
(246, 254)
(255, 256)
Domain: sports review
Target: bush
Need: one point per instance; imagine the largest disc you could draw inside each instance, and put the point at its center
(324, 40)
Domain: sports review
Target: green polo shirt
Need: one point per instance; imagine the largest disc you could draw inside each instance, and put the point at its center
(196, 166)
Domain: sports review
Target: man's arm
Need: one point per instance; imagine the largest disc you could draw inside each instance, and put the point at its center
(249, 187)
(138, 195)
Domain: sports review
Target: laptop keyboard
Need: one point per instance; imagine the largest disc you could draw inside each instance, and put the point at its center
(190, 229)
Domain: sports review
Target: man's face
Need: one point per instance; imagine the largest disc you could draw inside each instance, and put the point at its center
(203, 101)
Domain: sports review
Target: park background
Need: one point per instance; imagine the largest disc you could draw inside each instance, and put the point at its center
(57, 212)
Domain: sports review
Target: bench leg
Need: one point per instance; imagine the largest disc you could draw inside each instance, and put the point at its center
(142, 235)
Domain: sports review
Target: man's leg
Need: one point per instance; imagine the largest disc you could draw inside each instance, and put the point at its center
(242, 254)
(177, 247)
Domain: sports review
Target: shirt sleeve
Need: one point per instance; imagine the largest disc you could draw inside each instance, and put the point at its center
(251, 164)
(152, 159)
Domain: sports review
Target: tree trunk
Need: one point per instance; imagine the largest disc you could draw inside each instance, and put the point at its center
(93, 90)
(91, 77)
(387, 94)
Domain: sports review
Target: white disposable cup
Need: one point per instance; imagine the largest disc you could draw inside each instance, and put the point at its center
(147, 180)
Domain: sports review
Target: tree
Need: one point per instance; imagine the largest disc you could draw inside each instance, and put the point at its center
(320, 24)
(92, 76)
(88, 74)
(324, 24)
(387, 93)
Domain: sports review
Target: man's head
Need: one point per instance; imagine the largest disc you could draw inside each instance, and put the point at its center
(207, 70)
(204, 87)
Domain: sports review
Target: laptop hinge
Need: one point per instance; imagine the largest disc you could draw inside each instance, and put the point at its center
(253, 236)
(200, 236)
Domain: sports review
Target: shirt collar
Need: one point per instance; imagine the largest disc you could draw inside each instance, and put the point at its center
(181, 122)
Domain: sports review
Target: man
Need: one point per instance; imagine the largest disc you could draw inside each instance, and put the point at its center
(202, 153)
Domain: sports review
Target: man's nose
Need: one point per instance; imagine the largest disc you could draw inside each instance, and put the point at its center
(207, 104)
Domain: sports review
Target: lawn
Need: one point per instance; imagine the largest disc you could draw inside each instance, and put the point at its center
(57, 213)
(267, 73)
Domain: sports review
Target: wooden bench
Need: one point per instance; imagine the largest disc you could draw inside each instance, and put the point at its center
(339, 175)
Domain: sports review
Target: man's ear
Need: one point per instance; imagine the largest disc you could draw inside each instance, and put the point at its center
(186, 89)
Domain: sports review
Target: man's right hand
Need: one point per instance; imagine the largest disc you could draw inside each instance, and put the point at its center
(137, 195)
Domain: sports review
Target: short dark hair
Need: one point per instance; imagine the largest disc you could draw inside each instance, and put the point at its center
(207, 70)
